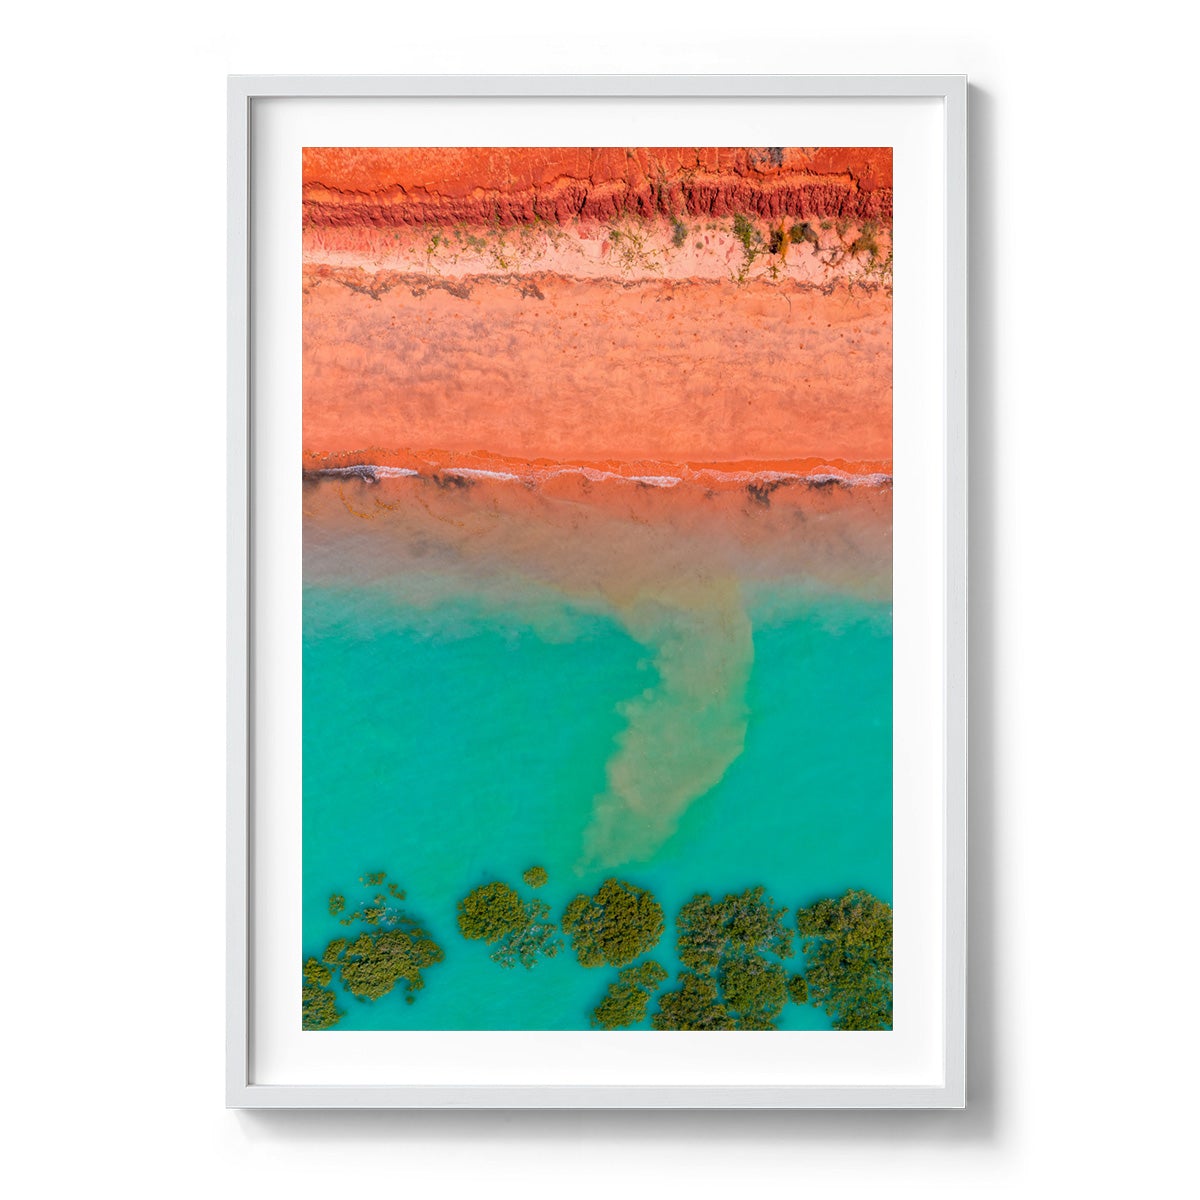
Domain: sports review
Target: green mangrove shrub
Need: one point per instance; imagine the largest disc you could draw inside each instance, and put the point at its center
(627, 999)
(754, 990)
(374, 963)
(729, 939)
(490, 912)
(319, 1008)
(535, 877)
(521, 930)
(848, 967)
(615, 926)
(393, 948)
(740, 923)
(693, 1005)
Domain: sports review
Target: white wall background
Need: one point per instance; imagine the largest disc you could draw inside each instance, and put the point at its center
(1084, 646)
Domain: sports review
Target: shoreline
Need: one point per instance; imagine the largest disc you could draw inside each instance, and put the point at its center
(711, 476)
(615, 536)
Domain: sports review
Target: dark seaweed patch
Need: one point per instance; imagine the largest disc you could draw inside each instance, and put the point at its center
(760, 493)
(461, 290)
(455, 482)
(366, 473)
(380, 289)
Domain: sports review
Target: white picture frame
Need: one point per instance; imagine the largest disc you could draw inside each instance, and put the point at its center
(251, 885)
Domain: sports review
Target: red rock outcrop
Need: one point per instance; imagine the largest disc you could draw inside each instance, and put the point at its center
(396, 187)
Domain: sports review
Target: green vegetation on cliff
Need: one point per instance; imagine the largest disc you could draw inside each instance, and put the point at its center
(848, 970)
(802, 232)
(615, 926)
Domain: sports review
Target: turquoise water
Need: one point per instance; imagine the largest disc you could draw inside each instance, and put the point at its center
(454, 745)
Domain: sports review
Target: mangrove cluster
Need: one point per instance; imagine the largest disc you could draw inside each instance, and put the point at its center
(521, 930)
(733, 952)
(614, 926)
(626, 1000)
(729, 947)
(392, 948)
(848, 970)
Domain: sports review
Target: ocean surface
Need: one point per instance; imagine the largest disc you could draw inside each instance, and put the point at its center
(457, 743)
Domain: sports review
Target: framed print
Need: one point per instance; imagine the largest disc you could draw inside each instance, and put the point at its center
(597, 592)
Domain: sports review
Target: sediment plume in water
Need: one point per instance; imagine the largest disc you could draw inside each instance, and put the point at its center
(685, 730)
(670, 565)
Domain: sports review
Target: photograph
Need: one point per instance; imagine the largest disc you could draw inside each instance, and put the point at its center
(597, 672)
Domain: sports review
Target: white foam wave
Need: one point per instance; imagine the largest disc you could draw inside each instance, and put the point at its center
(655, 480)
(591, 474)
(366, 471)
(478, 473)
(820, 478)
(595, 475)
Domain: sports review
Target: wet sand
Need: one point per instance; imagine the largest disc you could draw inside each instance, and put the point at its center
(608, 542)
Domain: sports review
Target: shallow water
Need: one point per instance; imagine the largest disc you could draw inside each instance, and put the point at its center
(463, 741)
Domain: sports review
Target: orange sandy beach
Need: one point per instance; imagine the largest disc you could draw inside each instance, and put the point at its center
(640, 332)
